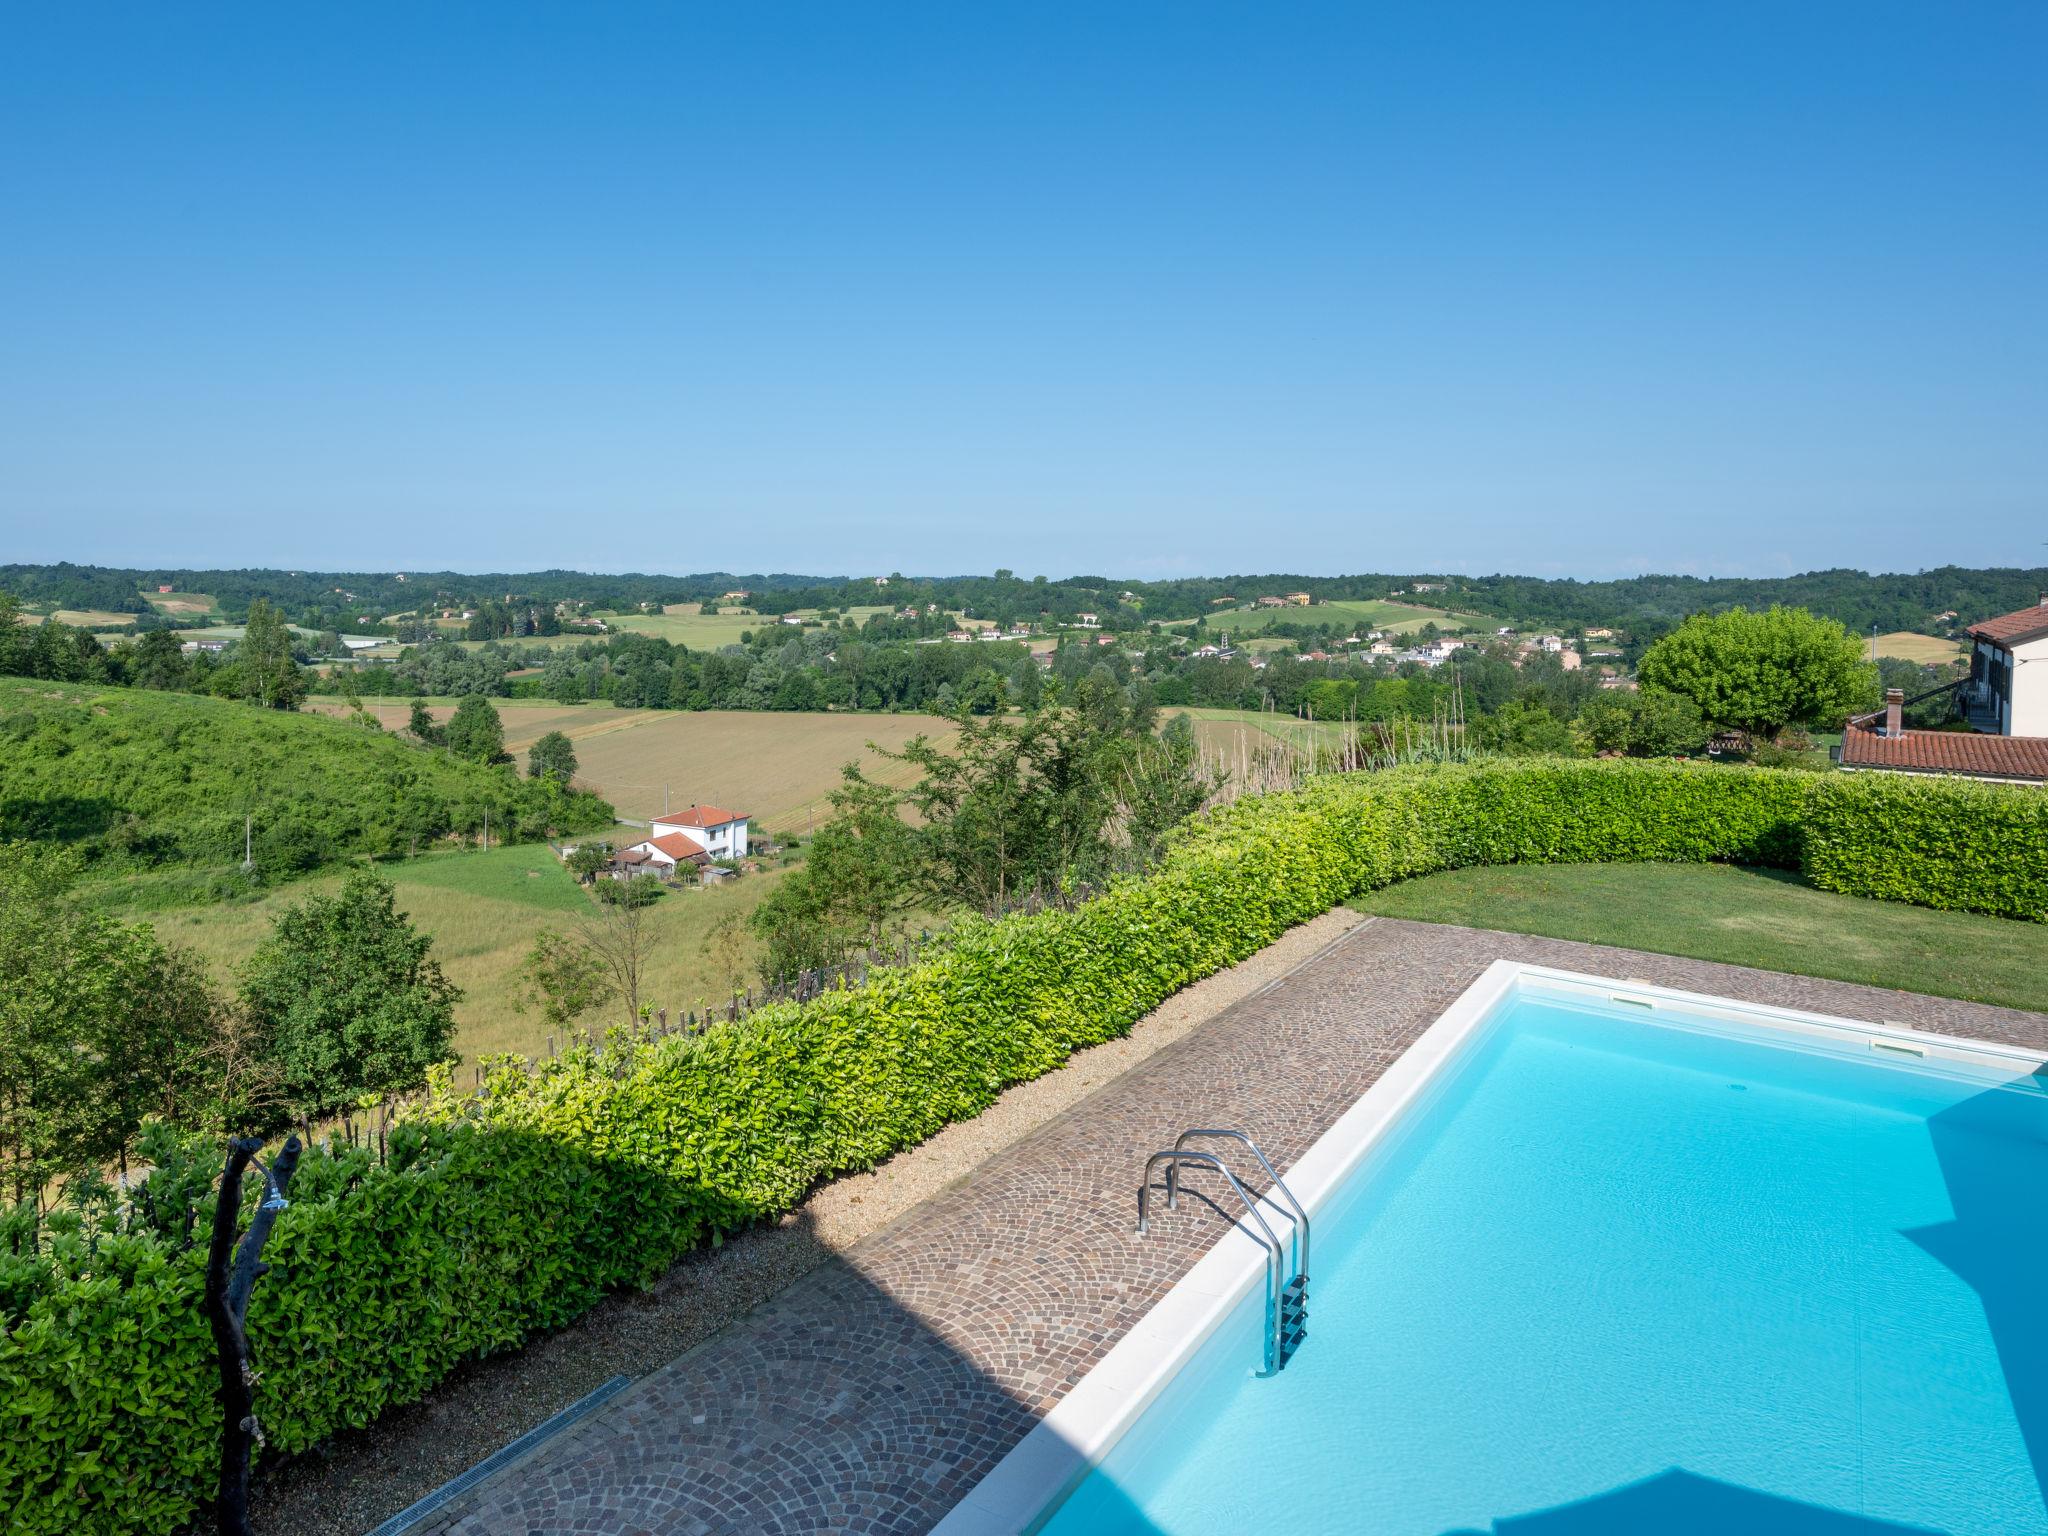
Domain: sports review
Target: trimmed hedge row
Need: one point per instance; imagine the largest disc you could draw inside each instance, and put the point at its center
(1933, 842)
(514, 1211)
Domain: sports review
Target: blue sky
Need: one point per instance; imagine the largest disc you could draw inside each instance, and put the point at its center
(1141, 290)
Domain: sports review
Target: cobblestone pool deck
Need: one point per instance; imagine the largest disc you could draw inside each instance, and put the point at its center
(873, 1393)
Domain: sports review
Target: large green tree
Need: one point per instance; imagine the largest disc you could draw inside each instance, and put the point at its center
(14, 637)
(421, 723)
(475, 731)
(346, 999)
(100, 1025)
(553, 757)
(158, 661)
(859, 884)
(1763, 672)
(268, 675)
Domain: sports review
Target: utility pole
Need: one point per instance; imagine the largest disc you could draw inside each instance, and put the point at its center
(248, 856)
(487, 829)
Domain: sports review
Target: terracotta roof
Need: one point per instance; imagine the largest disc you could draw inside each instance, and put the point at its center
(699, 816)
(679, 846)
(1968, 752)
(2015, 628)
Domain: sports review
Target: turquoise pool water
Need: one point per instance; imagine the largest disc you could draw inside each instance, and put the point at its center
(1617, 1275)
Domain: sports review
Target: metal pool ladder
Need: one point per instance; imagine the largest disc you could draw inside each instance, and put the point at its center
(1286, 1298)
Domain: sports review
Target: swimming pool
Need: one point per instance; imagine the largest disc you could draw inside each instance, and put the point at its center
(1602, 1258)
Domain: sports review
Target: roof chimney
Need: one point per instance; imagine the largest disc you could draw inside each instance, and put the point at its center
(1894, 711)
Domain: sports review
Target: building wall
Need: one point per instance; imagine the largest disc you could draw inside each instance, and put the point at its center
(2029, 690)
(726, 842)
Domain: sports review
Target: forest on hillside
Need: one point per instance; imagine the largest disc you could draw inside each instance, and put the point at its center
(364, 602)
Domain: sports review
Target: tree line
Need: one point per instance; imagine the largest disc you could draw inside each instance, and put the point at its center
(511, 605)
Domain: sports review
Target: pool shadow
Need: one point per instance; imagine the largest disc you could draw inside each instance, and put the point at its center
(1680, 1503)
(1997, 1244)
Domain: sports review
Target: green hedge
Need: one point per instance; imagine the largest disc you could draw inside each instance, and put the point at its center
(500, 1215)
(1934, 842)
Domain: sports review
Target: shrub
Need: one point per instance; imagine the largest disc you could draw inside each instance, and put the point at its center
(513, 1211)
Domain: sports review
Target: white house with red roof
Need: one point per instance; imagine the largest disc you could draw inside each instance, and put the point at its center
(662, 855)
(711, 830)
(2009, 671)
(2005, 697)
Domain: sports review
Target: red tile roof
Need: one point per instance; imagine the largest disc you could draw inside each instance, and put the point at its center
(699, 816)
(1968, 752)
(679, 846)
(2015, 628)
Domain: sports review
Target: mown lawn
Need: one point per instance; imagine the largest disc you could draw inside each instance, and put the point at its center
(1766, 918)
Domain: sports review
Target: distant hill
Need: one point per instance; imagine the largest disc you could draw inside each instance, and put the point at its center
(359, 602)
(141, 780)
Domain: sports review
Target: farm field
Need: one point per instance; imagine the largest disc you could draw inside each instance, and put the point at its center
(483, 911)
(1925, 649)
(181, 605)
(1394, 618)
(686, 624)
(525, 721)
(778, 767)
(82, 618)
(1224, 730)
(681, 624)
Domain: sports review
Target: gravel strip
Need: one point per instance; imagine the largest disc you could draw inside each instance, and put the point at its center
(355, 1481)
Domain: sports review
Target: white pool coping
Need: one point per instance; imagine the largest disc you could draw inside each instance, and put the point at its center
(1026, 1487)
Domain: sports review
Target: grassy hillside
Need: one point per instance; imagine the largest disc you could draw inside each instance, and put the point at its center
(181, 605)
(144, 781)
(1925, 649)
(483, 911)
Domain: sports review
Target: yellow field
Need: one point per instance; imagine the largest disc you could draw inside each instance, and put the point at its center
(180, 605)
(83, 618)
(483, 912)
(778, 768)
(679, 624)
(1925, 649)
